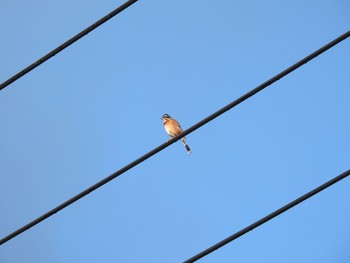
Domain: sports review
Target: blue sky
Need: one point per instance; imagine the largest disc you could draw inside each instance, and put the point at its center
(96, 106)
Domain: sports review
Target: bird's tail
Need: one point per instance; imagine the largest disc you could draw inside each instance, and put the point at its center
(185, 144)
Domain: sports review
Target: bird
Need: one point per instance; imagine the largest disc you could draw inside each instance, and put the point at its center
(173, 128)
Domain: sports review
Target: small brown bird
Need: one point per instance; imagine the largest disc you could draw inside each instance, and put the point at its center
(173, 128)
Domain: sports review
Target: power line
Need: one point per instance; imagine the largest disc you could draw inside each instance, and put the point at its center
(67, 43)
(268, 217)
(174, 139)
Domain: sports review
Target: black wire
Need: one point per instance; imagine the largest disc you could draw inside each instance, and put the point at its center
(67, 43)
(174, 139)
(268, 217)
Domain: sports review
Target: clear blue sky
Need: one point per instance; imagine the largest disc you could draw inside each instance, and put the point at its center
(96, 106)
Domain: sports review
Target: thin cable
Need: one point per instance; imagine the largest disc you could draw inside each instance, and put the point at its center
(268, 217)
(174, 139)
(67, 43)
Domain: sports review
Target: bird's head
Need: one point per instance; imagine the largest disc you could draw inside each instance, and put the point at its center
(165, 117)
